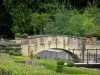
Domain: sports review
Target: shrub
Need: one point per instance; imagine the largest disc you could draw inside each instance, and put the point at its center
(11, 52)
(60, 62)
(38, 57)
(24, 35)
(10, 48)
(16, 54)
(17, 35)
(31, 54)
(70, 63)
(59, 68)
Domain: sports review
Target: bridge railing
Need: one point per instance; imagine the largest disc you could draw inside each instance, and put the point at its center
(90, 55)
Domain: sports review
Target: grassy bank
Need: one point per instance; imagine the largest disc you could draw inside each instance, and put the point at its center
(12, 68)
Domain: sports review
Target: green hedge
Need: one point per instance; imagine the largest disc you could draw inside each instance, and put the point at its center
(70, 63)
(24, 35)
(75, 70)
(13, 49)
(17, 35)
(60, 62)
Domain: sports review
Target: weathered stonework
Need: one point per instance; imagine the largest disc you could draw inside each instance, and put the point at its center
(45, 42)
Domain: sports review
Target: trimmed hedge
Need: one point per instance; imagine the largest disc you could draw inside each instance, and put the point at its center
(60, 64)
(12, 49)
(70, 63)
(75, 70)
(24, 35)
(17, 35)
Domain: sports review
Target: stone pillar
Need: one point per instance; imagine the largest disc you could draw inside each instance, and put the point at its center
(24, 50)
(83, 49)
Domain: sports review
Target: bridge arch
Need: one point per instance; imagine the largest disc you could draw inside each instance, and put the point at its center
(58, 53)
(45, 42)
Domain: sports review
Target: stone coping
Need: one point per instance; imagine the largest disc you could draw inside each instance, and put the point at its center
(37, 36)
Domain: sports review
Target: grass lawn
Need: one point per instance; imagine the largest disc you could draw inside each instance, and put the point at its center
(15, 58)
(48, 63)
(19, 58)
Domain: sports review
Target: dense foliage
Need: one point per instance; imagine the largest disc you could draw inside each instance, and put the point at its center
(54, 17)
(12, 49)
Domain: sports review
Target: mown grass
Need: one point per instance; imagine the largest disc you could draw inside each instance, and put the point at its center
(52, 65)
(19, 58)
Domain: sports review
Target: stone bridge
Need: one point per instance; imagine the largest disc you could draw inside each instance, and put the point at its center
(45, 42)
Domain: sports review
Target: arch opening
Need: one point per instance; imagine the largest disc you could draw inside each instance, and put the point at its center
(57, 53)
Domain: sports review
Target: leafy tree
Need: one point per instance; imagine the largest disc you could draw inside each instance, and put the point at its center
(39, 22)
(92, 22)
(5, 23)
(52, 17)
(76, 24)
(49, 8)
(60, 24)
(21, 16)
(90, 28)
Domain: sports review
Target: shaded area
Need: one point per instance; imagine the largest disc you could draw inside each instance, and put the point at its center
(90, 65)
(5, 22)
(55, 54)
